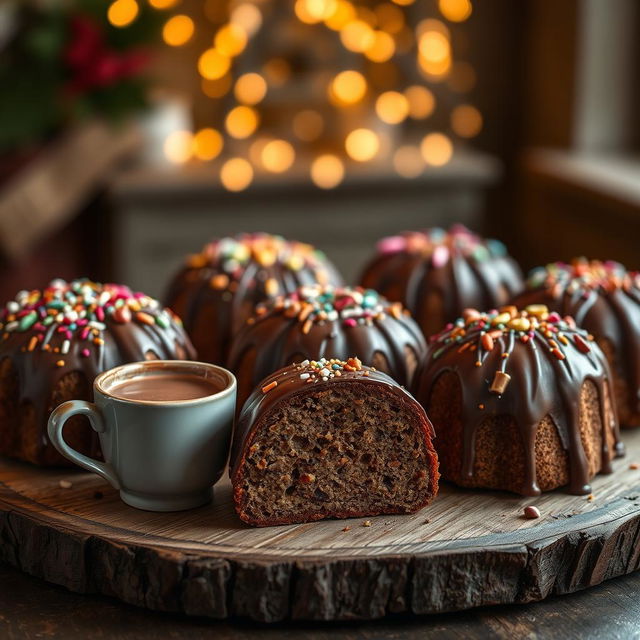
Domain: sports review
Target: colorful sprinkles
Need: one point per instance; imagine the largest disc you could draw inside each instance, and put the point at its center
(482, 333)
(440, 244)
(317, 304)
(323, 370)
(78, 310)
(583, 276)
(231, 256)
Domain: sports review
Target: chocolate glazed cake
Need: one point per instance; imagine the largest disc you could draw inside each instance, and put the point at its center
(604, 299)
(437, 273)
(218, 288)
(335, 322)
(331, 439)
(55, 342)
(521, 401)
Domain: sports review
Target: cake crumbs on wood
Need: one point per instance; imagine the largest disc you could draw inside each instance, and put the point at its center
(366, 523)
(530, 512)
(634, 466)
(591, 497)
(347, 528)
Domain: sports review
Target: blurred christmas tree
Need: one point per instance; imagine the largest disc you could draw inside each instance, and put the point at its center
(321, 88)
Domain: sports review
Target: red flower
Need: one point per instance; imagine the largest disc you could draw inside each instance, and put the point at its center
(92, 64)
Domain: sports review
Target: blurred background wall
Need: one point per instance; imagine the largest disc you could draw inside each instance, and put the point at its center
(133, 130)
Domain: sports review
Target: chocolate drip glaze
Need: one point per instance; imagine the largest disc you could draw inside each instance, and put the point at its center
(526, 365)
(217, 290)
(82, 326)
(299, 378)
(604, 299)
(457, 267)
(316, 321)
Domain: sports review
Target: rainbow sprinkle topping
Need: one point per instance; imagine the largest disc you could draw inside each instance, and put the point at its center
(480, 334)
(439, 244)
(231, 256)
(583, 275)
(316, 304)
(78, 310)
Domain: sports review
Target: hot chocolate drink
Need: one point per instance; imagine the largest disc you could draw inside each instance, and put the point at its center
(165, 387)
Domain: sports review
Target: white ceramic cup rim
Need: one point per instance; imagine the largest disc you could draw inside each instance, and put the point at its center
(130, 370)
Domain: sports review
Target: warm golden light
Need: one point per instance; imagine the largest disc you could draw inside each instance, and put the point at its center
(389, 17)
(455, 10)
(178, 146)
(277, 156)
(236, 174)
(348, 87)
(248, 16)
(362, 144)
(466, 121)
(213, 64)
(231, 40)
(256, 147)
(342, 14)
(357, 36)
(277, 71)
(250, 88)
(301, 8)
(436, 149)
(404, 3)
(216, 88)
(431, 24)
(408, 161)
(434, 46)
(382, 48)
(163, 4)
(421, 101)
(327, 171)
(122, 12)
(308, 125)
(392, 107)
(241, 122)
(207, 144)
(178, 30)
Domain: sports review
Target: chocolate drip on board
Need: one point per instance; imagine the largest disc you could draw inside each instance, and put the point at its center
(525, 371)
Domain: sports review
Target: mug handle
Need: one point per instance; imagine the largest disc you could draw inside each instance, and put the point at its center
(56, 426)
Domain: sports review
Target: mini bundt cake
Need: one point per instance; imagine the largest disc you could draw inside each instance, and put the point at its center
(520, 401)
(218, 288)
(331, 439)
(335, 322)
(437, 273)
(604, 299)
(55, 342)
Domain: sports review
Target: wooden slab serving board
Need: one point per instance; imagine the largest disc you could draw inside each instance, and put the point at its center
(468, 548)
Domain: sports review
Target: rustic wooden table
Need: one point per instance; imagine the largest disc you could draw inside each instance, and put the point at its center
(31, 608)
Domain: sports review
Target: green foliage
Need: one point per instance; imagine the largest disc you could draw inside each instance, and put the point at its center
(35, 78)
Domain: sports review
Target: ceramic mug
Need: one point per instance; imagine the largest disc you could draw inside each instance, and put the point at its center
(162, 455)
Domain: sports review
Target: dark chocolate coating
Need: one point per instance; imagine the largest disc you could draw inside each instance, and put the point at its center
(40, 371)
(278, 337)
(270, 266)
(457, 267)
(543, 382)
(606, 305)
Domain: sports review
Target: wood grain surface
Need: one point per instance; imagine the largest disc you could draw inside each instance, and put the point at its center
(467, 549)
